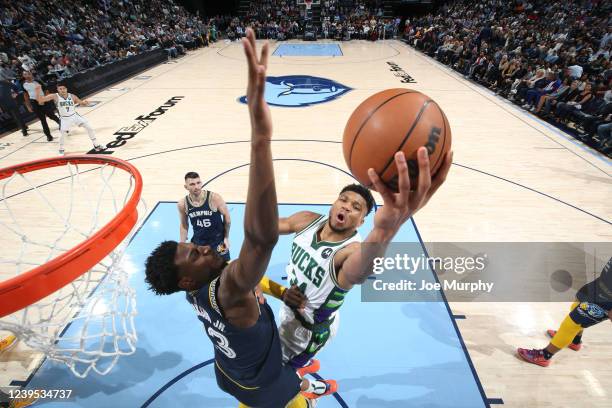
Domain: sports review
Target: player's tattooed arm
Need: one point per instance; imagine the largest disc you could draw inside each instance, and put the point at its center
(396, 210)
(296, 222)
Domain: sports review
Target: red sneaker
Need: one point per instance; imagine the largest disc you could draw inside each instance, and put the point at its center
(321, 389)
(312, 367)
(534, 356)
(573, 346)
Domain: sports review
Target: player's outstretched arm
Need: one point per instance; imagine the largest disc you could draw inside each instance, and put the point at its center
(183, 221)
(296, 222)
(355, 264)
(80, 102)
(41, 98)
(261, 212)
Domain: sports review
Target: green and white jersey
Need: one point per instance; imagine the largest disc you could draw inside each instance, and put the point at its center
(311, 268)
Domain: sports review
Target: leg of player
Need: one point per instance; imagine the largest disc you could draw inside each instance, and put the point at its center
(576, 343)
(298, 402)
(313, 389)
(582, 316)
(63, 134)
(92, 135)
(7, 342)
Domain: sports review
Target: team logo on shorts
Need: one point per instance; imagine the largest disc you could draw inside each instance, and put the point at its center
(326, 253)
(301, 90)
(593, 311)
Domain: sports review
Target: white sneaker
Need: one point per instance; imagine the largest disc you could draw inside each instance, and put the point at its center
(98, 148)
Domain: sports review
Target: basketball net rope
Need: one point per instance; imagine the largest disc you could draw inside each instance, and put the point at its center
(89, 323)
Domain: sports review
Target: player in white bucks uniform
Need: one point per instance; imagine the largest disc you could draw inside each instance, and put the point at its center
(312, 272)
(66, 105)
(327, 258)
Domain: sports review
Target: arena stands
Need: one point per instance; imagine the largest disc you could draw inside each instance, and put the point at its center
(551, 58)
(58, 39)
(363, 20)
(335, 19)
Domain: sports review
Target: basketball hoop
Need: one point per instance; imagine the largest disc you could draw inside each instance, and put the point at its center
(69, 273)
(308, 4)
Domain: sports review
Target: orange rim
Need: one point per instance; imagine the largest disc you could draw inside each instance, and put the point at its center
(39, 282)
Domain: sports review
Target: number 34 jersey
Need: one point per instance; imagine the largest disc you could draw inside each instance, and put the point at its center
(311, 268)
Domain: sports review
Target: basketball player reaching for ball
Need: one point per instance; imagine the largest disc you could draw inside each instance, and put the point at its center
(327, 258)
(593, 306)
(66, 104)
(208, 215)
(248, 359)
(309, 317)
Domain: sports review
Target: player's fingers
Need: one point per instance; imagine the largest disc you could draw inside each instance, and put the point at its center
(382, 189)
(291, 299)
(440, 176)
(251, 37)
(264, 55)
(424, 174)
(250, 56)
(403, 183)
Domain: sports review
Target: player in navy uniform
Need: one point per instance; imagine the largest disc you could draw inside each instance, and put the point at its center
(593, 305)
(208, 215)
(248, 360)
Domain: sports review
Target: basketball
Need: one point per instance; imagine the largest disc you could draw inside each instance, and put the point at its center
(391, 121)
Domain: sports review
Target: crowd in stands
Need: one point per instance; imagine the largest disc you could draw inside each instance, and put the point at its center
(340, 19)
(57, 39)
(552, 58)
(272, 19)
(346, 20)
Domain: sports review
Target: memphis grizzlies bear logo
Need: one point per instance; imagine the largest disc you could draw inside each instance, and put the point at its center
(301, 90)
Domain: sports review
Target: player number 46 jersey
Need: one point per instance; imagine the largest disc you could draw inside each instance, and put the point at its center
(311, 268)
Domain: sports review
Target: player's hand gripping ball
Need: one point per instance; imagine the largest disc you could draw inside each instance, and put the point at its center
(391, 121)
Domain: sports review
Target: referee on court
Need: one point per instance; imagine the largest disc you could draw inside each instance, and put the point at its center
(41, 111)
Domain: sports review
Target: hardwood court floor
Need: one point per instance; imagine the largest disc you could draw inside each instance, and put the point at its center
(515, 178)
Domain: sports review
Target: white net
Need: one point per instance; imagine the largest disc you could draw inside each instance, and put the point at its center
(89, 323)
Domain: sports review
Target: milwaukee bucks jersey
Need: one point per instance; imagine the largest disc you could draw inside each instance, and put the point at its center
(65, 106)
(311, 268)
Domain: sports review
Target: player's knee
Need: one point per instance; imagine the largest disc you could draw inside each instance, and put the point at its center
(566, 333)
(587, 314)
(298, 402)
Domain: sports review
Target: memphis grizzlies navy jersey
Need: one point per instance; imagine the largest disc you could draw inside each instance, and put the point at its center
(248, 361)
(208, 227)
